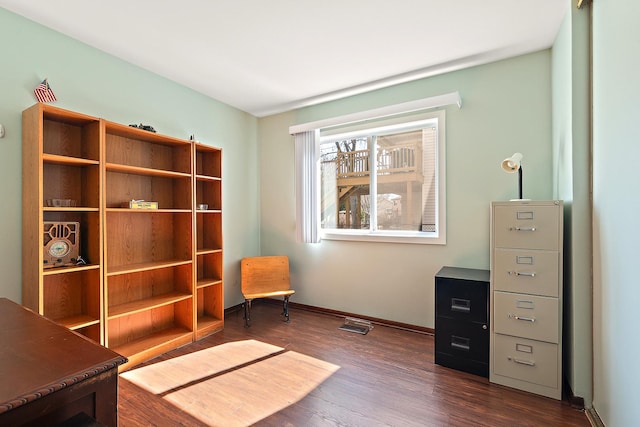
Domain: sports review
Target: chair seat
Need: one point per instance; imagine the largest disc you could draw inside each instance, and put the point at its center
(287, 292)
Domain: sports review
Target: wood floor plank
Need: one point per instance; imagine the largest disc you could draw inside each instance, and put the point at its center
(385, 378)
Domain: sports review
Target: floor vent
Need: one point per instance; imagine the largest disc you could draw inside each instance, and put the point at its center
(359, 326)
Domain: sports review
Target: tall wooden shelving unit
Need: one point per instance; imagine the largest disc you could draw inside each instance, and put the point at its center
(148, 253)
(154, 278)
(62, 160)
(208, 240)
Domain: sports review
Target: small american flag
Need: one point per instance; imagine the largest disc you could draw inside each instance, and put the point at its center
(44, 93)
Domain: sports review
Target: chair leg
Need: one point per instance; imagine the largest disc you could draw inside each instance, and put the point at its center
(247, 313)
(285, 309)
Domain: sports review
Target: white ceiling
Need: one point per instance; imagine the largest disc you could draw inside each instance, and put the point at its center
(268, 56)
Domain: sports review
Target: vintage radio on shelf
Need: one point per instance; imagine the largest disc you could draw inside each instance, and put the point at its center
(61, 243)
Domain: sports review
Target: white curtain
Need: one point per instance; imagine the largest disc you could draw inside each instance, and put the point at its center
(307, 153)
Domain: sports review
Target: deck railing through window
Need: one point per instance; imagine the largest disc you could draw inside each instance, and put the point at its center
(396, 159)
(353, 163)
(399, 158)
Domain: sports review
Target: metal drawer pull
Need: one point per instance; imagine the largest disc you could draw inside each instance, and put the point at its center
(525, 362)
(461, 305)
(523, 228)
(517, 273)
(460, 346)
(524, 319)
(460, 343)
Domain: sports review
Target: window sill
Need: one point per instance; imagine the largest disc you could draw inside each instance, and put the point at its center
(408, 237)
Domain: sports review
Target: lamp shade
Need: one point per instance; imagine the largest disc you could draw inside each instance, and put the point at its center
(512, 164)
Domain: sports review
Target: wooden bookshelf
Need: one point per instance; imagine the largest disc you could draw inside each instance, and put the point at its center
(209, 295)
(61, 162)
(153, 278)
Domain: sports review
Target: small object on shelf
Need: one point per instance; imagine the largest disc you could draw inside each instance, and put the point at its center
(203, 207)
(61, 243)
(44, 93)
(62, 203)
(144, 127)
(141, 204)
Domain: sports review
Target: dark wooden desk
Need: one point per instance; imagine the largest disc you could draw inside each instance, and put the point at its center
(49, 374)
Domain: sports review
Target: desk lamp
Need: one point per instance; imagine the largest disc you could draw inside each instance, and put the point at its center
(512, 164)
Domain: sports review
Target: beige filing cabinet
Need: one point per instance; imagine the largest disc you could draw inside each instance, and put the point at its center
(526, 296)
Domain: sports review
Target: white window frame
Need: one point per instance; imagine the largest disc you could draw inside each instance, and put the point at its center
(303, 195)
(399, 236)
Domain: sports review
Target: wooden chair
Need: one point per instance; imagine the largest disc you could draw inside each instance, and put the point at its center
(265, 277)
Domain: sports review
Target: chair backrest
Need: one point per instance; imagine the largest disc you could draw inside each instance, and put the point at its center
(264, 274)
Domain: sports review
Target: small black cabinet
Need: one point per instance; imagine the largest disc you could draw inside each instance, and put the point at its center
(462, 320)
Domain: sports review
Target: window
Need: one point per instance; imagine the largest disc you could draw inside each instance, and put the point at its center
(375, 175)
(382, 182)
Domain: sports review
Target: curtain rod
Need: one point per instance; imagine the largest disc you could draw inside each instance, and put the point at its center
(406, 107)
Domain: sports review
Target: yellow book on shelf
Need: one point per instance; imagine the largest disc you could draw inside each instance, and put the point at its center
(142, 204)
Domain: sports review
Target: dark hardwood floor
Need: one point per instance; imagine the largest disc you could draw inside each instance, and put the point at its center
(385, 378)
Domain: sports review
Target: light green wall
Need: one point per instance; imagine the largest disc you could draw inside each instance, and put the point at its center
(506, 108)
(571, 159)
(89, 81)
(616, 208)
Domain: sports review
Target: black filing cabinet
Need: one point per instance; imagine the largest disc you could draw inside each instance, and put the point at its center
(462, 320)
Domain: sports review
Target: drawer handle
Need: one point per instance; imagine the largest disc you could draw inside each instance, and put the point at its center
(461, 305)
(460, 343)
(525, 362)
(460, 346)
(522, 228)
(517, 273)
(524, 319)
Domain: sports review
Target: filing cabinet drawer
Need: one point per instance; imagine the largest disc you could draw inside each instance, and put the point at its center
(526, 360)
(465, 339)
(462, 345)
(462, 299)
(526, 227)
(529, 272)
(526, 316)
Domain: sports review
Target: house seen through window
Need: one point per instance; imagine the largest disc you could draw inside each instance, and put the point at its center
(383, 180)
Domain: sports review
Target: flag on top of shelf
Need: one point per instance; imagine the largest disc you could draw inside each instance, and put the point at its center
(44, 93)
